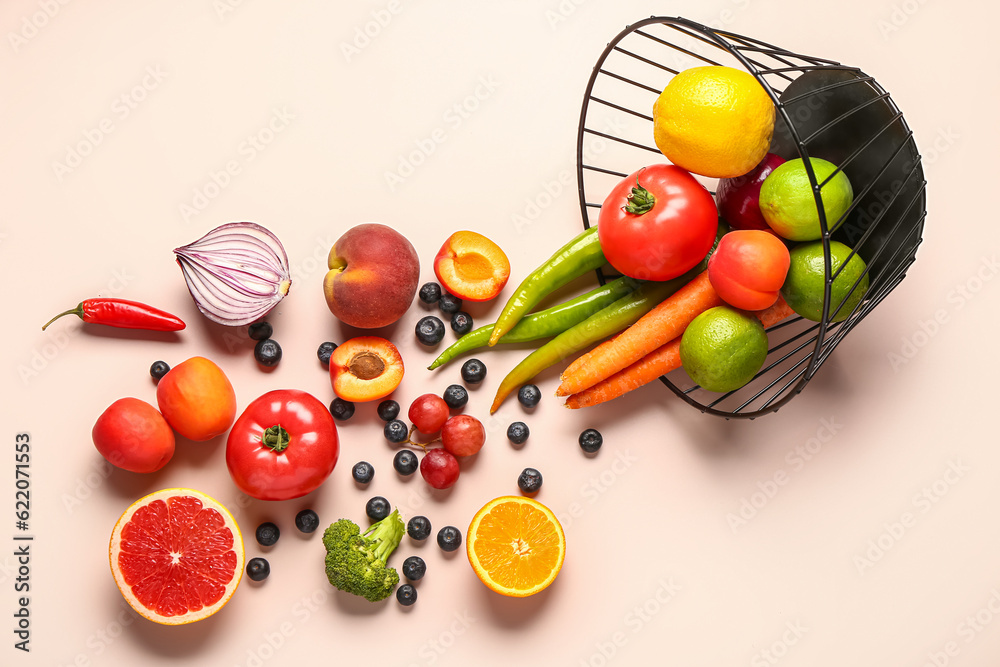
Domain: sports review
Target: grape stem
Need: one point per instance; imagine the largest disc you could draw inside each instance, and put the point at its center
(422, 445)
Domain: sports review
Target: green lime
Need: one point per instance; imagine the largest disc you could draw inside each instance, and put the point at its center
(803, 288)
(722, 349)
(788, 204)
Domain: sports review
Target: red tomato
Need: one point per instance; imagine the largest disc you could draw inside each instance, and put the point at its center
(748, 268)
(283, 446)
(658, 223)
(133, 435)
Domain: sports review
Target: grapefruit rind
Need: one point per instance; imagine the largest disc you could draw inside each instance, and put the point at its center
(115, 549)
(480, 570)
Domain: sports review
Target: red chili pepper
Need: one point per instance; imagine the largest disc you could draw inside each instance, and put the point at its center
(123, 314)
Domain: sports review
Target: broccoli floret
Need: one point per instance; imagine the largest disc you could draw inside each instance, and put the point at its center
(356, 562)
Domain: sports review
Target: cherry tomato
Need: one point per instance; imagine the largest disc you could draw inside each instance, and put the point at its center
(132, 435)
(658, 223)
(283, 446)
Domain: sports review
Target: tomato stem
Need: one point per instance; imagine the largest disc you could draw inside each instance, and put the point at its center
(276, 438)
(640, 200)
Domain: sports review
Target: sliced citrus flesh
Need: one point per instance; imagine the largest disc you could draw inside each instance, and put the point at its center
(177, 556)
(516, 546)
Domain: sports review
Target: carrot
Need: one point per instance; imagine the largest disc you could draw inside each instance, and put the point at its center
(657, 327)
(659, 362)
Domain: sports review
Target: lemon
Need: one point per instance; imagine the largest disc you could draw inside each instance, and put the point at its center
(715, 121)
(722, 349)
(788, 204)
(803, 288)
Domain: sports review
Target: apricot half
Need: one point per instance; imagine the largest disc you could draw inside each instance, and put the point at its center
(471, 266)
(365, 368)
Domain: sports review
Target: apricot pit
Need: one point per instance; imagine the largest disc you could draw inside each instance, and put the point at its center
(366, 368)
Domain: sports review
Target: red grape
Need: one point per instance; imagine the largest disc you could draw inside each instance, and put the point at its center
(439, 468)
(463, 435)
(428, 413)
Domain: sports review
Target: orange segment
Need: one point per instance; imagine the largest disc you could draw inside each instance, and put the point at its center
(177, 556)
(516, 546)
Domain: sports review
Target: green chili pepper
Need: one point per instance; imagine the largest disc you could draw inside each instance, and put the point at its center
(606, 322)
(574, 259)
(610, 320)
(544, 323)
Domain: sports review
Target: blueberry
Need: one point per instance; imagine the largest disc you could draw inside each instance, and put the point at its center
(449, 538)
(377, 508)
(396, 431)
(530, 480)
(419, 528)
(307, 521)
(258, 569)
(406, 595)
(461, 323)
(449, 304)
(414, 568)
(517, 433)
(591, 440)
(159, 369)
(363, 472)
(430, 293)
(341, 410)
(267, 352)
(267, 534)
(473, 371)
(260, 330)
(405, 462)
(529, 395)
(325, 351)
(430, 330)
(388, 410)
(455, 396)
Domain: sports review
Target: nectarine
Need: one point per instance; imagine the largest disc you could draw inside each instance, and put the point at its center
(748, 268)
(365, 368)
(373, 276)
(471, 266)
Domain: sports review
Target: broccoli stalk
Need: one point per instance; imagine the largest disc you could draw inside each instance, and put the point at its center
(356, 563)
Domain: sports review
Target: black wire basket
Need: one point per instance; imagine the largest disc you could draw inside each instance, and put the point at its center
(825, 110)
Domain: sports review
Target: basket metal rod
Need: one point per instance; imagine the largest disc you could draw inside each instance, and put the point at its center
(627, 80)
(644, 59)
(611, 137)
(848, 114)
(823, 89)
(621, 108)
(604, 171)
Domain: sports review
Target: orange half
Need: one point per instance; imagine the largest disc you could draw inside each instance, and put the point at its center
(516, 546)
(177, 556)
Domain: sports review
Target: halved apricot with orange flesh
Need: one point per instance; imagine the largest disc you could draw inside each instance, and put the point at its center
(365, 368)
(471, 266)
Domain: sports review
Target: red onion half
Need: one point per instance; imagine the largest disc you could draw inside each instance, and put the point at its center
(236, 273)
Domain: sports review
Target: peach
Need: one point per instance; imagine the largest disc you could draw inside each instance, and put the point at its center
(365, 368)
(373, 276)
(471, 266)
(748, 268)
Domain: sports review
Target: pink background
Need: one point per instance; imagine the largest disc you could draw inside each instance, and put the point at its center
(656, 573)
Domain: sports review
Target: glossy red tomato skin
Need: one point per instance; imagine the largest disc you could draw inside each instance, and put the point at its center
(132, 435)
(668, 240)
(309, 458)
